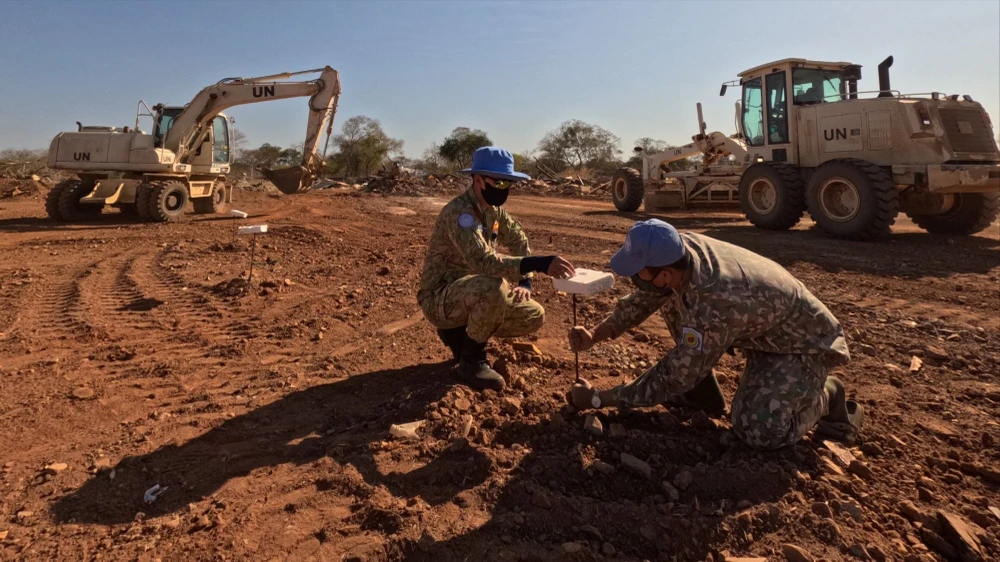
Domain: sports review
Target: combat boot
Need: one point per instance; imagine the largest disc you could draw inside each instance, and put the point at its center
(474, 369)
(453, 338)
(846, 417)
(705, 396)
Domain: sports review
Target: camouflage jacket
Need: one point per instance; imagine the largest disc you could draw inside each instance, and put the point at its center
(464, 242)
(733, 298)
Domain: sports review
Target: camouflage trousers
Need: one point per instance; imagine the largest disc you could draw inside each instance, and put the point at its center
(779, 400)
(485, 305)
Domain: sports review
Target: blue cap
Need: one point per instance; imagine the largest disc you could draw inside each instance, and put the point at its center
(650, 243)
(494, 162)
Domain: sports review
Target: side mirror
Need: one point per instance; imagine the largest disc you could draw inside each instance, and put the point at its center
(637, 149)
(722, 92)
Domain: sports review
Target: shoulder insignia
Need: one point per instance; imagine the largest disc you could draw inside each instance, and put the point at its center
(692, 339)
(466, 221)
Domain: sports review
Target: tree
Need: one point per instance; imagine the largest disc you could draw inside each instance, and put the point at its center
(459, 146)
(265, 156)
(237, 144)
(362, 147)
(290, 156)
(577, 144)
(432, 162)
(651, 146)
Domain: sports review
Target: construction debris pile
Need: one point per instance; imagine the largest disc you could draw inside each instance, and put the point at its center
(411, 185)
(18, 187)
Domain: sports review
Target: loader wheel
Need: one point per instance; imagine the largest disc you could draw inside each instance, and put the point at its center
(128, 209)
(142, 205)
(214, 204)
(167, 201)
(70, 208)
(772, 196)
(853, 199)
(52, 198)
(969, 213)
(627, 190)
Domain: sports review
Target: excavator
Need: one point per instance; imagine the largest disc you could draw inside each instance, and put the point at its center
(187, 155)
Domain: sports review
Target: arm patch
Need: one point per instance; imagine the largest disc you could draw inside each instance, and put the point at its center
(692, 339)
(466, 221)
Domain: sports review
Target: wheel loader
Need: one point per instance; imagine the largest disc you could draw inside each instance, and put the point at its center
(807, 139)
(186, 156)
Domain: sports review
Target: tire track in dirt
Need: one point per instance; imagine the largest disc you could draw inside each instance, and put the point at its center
(56, 311)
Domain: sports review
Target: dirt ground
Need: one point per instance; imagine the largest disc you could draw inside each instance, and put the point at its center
(129, 358)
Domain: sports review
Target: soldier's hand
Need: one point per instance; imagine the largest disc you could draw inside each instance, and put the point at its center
(580, 339)
(521, 294)
(561, 269)
(581, 395)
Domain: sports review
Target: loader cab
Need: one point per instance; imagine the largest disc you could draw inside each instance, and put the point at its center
(771, 95)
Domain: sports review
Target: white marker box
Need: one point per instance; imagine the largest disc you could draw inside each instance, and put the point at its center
(255, 229)
(585, 282)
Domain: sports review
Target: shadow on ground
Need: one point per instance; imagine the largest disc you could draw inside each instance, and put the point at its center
(338, 419)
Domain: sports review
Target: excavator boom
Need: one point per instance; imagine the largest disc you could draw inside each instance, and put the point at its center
(192, 124)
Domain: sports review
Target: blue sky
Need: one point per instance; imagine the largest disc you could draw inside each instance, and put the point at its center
(513, 69)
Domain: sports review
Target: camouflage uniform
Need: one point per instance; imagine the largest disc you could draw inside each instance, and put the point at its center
(737, 299)
(466, 282)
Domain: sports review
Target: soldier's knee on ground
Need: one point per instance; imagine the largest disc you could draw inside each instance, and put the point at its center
(763, 428)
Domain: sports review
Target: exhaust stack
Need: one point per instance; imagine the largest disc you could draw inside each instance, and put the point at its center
(883, 78)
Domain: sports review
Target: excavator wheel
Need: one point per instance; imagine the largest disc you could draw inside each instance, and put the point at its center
(969, 213)
(853, 199)
(167, 201)
(70, 208)
(772, 195)
(142, 195)
(214, 204)
(52, 198)
(627, 190)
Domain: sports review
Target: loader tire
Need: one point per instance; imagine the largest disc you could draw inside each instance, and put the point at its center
(52, 199)
(167, 201)
(627, 190)
(772, 195)
(142, 196)
(214, 204)
(970, 213)
(70, 208)
(853, 199)
(128, 209)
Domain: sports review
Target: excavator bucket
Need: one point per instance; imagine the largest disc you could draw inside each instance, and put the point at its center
(292, 180)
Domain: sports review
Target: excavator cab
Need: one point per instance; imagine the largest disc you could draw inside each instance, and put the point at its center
(163, 120)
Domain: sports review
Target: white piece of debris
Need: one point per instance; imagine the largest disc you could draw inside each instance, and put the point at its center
(915, 364)
(406, 430)
(585, 282)
(154, 493)
(253, 229)
(238, 214)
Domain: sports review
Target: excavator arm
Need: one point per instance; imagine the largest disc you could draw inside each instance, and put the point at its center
(324, 92)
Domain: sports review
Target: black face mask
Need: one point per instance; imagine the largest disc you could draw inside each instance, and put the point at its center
(649, 287)
(493, 196)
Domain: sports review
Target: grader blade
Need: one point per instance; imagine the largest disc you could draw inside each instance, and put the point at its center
(291, 180)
